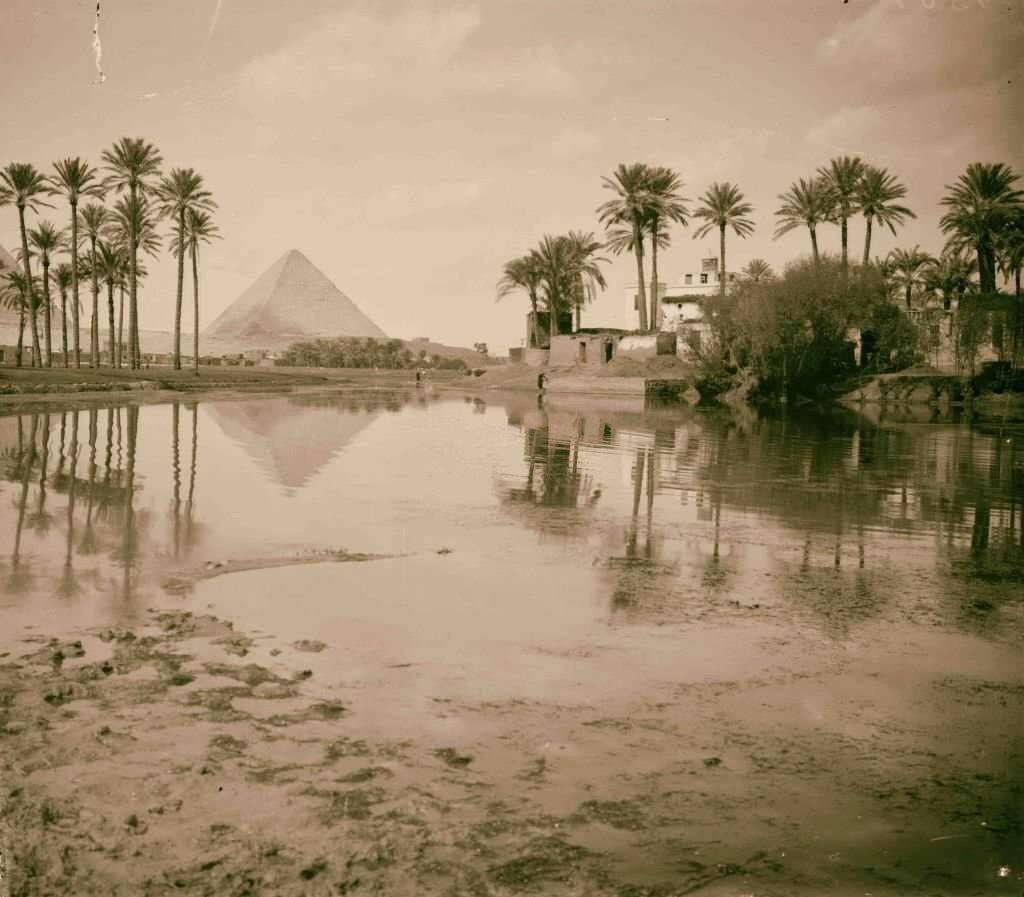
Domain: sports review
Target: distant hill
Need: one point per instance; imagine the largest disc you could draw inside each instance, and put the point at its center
(292, 300)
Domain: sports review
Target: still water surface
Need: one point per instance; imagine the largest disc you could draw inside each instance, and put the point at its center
(600, 554)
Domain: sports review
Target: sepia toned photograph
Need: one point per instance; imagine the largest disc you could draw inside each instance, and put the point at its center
(512, 448)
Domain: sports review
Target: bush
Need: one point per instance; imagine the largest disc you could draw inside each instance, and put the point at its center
(789, 336)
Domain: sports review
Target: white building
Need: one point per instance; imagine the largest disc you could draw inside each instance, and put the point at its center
(681, 305)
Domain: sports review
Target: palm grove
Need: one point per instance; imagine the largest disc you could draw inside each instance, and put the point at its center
(114, 213)
(983, 222)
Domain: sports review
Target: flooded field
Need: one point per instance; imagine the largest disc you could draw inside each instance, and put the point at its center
(418, 643)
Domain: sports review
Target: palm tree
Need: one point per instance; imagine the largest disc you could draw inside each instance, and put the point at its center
(631, 208)
(586, 277)
(950, 275)
(666, 206)
(64, 275)
(979, 203)
(908, 268)
(76, 179)
(15, 293)
(876, 196)
(133, 164)
(523, 273)
(94, 218)
(131, 226)
(46, 240)
(111, 268)
(566, 262)
(805, 204)
(842, 177)
(757, 271)
(23, 186)
(1010, 249)
(177, 194)
(199, 228)
(722, 206)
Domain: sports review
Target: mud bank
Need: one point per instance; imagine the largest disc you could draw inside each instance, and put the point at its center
(187, 755)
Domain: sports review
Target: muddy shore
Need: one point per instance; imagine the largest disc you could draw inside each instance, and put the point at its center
(183, 754)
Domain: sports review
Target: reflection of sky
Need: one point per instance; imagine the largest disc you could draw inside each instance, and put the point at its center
(743, 507)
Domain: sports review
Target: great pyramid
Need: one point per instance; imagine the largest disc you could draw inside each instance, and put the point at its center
(8, 316)
(292, 300)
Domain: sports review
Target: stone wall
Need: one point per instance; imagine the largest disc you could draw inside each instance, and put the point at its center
(647, 345)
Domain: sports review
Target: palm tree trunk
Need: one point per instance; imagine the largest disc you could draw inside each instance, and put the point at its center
(37, 358)
(94, 327)
(654, 321)
(534, 327)
(721, 234)
(64, 323)
(641, 300)
(181, 283)
(110, 321)
(21, 334)
(28, 285)
(867, 242)
(843, 233)
(814, 244)
(910, 288)
(47, 318)
(133, 289)
(120, 328)
(74, 284)
(195, 310)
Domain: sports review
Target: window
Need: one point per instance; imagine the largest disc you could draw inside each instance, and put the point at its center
(703, 278)
(689, 279)
(693, 340)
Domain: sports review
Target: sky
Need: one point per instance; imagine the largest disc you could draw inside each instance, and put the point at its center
(409, 149)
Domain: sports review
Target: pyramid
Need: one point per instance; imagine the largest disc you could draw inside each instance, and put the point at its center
(292, 300)
(8, 316)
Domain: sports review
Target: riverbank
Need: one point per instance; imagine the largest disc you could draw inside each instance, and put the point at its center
(661, 376)
(26, 384)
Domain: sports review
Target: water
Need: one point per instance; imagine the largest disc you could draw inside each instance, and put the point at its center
(788, 645)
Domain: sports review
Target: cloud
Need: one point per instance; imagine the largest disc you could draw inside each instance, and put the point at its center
(912, 46)
(359, 57)
(573, 142)
(926, 79)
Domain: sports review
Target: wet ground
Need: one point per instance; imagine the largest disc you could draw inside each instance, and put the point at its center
(410, 643)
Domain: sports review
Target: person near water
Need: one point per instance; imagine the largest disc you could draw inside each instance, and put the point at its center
(541, 379)
(419, 376)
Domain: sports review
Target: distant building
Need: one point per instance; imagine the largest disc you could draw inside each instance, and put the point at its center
(680, 300)
(682, 306)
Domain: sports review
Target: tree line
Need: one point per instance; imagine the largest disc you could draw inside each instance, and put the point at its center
(116, 211)
(352, 352)
(983, 222)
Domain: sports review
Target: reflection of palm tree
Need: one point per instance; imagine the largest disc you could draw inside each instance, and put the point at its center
(20, 578)
(68, 585)
(192, 477)
(176, 472)
(41, 520)
(130, 544)
(88, 544)
(642, 574)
